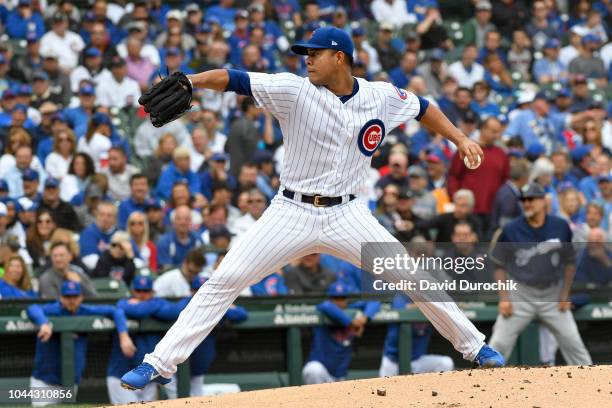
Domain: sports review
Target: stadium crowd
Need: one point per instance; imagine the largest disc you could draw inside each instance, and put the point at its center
(90, 189)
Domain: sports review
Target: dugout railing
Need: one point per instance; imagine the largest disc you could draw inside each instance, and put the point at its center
(289, 317)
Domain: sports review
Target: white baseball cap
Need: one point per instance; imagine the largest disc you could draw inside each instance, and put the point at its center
(3, 210)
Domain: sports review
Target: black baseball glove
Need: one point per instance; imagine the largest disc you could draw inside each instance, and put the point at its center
(168, 99)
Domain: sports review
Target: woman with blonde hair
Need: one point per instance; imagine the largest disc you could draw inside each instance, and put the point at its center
(58, 161)
(144, 249)
(16, 283)
(591, 135)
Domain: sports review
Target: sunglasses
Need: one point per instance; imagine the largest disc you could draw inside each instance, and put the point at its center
(529, 199)
(116, 245)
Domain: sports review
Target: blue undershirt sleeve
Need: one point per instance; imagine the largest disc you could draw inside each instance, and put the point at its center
(239, 82)
(424, 105)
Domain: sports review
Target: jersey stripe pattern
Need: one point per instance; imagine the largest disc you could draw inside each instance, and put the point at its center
(320, 133)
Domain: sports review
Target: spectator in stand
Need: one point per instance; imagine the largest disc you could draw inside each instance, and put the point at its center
(474, 29)
(540, 29)
(467, 71)
(444, 224)
(308, 276)
(244, 135)
(257, 205)
(591, 135)
(589, 185)
(173, 246)
(79, 175)
(24, 20)
(91, 70)
(136, 199)
(486, 180)
(497, 76)
(78, 116)
(117, 90)
(519, 54)
(481, 104)
(15, 282)
(61, 269)
(506, 204)
(62, 211)
(177, 282)
(267, 179)
(59, 82)
(145, 251)
(27, 168)
(425, 204)
(434, 72)
(97, 141)
(398, 172)
(361, 43)
(39, 237)
(119, 173)
(96, 237)
(581, 98)
(550, 69)
(594, 217)
(460, 109)
(66, 43)
(178, 170)
(139, 68)
(400, 76)
(15, 139)
(394, 12)
(594, 264)
(117, 262)
(58, 161)
(216, 139)
(271, 285)
(587, 63)
(389, 57)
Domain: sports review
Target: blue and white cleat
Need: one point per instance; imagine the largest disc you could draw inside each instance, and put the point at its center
(488, 357)
(142, 375)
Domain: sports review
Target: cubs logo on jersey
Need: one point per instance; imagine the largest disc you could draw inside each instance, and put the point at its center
(371, 136)
(402, 93)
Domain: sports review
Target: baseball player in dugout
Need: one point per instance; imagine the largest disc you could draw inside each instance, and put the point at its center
(332, 123)
(535, 250)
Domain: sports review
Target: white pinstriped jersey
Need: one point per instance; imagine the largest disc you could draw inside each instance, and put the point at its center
(329, 144)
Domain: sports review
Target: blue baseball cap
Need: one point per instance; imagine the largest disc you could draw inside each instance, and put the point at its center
(326, 38)
(25, 204)
(358, 32)
(552, 43)
(197, 282)
(535, 150)
(152, 203)
(580, 152)
(52, 182)
(437, 54)
(87, 89)
(4, 185)
(219, 157)
(590, 38)
(173, 52)
(31, 37)
(604, 179)
(42, 75)
(20, 107)
(100, 118)
(9, 93)
(71, 288)
(93, 52)
(204, 28)
(24, 90)
(340, 289)
(142, 283)
(29, 175)
(59, 116)
(263, 156)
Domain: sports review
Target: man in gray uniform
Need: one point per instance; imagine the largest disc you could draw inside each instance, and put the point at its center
(535, 250)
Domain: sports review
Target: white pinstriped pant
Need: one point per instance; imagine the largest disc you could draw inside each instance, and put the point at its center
(286, 231)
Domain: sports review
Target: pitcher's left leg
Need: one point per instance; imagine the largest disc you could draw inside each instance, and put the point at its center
(352, 224)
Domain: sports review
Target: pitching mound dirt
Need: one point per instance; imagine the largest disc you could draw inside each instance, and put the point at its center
(584, 386)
